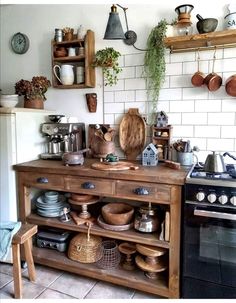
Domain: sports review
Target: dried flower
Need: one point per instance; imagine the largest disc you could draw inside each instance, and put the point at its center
(34, 89)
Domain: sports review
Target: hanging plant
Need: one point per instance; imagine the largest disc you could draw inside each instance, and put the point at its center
(154, 63)
(107, 59)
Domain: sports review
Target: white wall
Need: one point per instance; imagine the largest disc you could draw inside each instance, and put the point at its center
(208, 119)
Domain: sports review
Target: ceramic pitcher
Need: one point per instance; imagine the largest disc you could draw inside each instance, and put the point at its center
(66, 74)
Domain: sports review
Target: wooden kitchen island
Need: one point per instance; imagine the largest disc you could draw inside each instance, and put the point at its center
(164, 186)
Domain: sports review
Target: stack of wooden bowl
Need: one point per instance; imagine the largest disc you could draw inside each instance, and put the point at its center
(116, 216)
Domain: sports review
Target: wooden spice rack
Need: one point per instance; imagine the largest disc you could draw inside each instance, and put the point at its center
(219, 39)
(80, 60)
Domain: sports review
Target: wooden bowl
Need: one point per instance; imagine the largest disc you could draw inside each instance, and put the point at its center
(117, 213)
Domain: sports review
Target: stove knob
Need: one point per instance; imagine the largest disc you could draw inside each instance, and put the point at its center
(200, 196)
(211, 198)
(55, 130)
(233, 200)
(223, 199)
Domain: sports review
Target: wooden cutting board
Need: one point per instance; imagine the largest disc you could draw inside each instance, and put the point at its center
(132, 134)
(119, 166)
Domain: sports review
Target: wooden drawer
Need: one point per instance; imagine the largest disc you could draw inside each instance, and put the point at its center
(143, 191)
(89, 186)
(44, 181)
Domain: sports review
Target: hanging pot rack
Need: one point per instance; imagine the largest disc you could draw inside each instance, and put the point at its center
(219, 39)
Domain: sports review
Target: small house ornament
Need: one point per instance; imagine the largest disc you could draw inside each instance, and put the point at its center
(161, 119)
(150, 155)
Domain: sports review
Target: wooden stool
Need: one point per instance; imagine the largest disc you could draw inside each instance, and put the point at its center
(23, 236)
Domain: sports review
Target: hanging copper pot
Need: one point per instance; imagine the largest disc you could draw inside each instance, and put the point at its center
(198, 78)
(213, 81)
(230, 86)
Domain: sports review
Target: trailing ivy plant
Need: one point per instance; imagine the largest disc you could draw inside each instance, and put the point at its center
(107, 59)
(154, 63)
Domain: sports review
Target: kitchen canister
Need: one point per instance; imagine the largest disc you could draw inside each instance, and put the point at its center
(58, 35)
(81, 32)
(230, 18)
(80, 74)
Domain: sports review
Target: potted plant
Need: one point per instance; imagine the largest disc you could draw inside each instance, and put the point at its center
(107, 59)
(154, 63)
(33, 91)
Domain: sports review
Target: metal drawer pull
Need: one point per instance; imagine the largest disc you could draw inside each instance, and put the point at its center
(214, 214)
(88, 185)
(42, 180)
(141, 191)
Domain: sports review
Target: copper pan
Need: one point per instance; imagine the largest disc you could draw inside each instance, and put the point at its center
(212, 80)
(230, 86)
(198, 78)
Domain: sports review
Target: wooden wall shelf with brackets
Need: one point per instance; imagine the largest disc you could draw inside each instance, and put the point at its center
(219, 39)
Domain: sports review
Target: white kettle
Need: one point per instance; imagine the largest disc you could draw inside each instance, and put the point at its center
(66, 74)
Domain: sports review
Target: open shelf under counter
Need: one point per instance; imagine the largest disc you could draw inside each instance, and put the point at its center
(127, 235)
(133, 279)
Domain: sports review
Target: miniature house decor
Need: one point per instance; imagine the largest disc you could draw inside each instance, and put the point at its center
(162, 119)
(149, 155)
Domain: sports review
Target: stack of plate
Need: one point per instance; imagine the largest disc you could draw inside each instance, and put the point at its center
(47, 207)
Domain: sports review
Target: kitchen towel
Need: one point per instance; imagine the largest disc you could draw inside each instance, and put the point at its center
(7, 231)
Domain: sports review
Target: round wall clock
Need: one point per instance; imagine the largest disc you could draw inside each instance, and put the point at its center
(20, 43)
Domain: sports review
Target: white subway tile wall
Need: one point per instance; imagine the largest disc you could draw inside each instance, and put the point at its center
(207, 119)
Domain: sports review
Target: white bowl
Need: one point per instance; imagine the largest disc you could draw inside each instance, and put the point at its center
(8, 100)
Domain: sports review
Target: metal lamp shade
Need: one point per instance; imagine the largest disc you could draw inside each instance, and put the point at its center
(114, 28)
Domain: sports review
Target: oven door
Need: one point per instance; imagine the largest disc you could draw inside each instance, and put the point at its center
(209, 248)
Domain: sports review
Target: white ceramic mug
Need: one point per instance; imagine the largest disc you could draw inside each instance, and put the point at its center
(66, 74)
(71, 52)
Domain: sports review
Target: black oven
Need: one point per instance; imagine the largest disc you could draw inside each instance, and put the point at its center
(209, 242)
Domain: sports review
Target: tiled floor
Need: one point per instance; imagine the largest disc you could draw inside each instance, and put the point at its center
(54, 284)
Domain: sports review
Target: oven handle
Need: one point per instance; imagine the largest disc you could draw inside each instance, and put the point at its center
(214, 214)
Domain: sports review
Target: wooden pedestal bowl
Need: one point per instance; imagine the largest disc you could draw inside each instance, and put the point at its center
(117, 213)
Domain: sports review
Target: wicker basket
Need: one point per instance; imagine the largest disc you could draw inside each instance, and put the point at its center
(85, 248)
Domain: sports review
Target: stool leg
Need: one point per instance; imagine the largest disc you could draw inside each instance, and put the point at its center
(17, 271)
(29, 260)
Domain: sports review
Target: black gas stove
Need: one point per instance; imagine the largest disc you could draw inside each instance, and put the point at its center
(209, 234)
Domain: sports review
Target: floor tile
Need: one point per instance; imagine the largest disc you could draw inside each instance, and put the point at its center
(44, 275)
(73, 285)
(104, 290)
(30, 290)
(143, 295)
(4, 279)
(53, 294)
(6, 268)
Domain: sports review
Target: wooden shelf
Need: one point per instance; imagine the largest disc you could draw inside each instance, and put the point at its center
(132, 235)
(133, 279)
(69, 59)
(220, 39)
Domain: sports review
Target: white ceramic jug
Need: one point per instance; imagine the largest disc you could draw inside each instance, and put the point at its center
(66, 74)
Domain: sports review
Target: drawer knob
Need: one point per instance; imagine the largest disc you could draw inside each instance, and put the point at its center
(141, 191)
(42, 180)
(88, 185)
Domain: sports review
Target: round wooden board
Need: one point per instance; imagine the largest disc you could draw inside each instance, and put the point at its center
(119, 166)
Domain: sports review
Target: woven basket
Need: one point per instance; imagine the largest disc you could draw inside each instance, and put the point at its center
(85, 248)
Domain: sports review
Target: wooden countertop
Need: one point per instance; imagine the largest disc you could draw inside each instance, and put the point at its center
(154, 174)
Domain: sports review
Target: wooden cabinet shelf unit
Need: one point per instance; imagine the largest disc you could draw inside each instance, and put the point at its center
(219, 39)
(164, 186)
(79, 60)
(162, 136)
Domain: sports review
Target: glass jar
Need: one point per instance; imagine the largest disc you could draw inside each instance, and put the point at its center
(183, 29)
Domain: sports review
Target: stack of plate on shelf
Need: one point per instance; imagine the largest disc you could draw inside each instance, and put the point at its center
(52, 204)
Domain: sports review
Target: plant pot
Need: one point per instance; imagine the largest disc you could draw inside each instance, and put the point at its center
(34, 103)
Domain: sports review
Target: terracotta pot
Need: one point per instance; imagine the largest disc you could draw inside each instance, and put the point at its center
(198, 79)
(213, 81)
(230, 86)
(34, 103)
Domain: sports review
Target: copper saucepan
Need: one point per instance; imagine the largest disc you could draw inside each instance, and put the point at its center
(198, 78)
(230, 86)
(213, 81)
